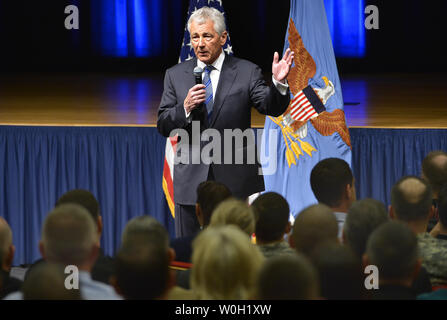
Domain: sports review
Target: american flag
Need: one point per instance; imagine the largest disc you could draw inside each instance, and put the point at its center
(186, 53)
(306, 105)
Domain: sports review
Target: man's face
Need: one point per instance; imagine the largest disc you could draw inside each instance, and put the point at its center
(206, 41)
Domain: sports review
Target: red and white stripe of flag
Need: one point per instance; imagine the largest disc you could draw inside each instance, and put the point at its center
(168, 172)
(302, 109)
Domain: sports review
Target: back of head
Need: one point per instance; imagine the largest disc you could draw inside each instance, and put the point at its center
(314, 225)
(142, 270)
(83, 198)
(209, 195)
(363, 218)
(145, 230)
(5, 240)
(234, 212)
(142, 263)
(340, 272)
(271, 215)
(411, 199)
(434, 169)
(288, 278)
(225, 264)
(442, 205)
(68, 235)
(393, 248)
(329, 179)
(46, 281)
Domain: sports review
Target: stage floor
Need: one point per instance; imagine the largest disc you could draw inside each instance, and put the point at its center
(371, 101)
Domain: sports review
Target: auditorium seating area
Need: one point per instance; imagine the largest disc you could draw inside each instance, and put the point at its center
(342, 248)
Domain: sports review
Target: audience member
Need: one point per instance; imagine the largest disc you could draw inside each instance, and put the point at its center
(103, 268)
(340, 272)
(46, 281)
(209, 195)
(69, 237)
(272, 223)
(434, 172)
(234, 212)
(7, 249)
(286, 277)
(411, 202)
(440, 230)
(363, 218)
(332, 183)
(225, 264)
(393, 249)
(313, 226)
(142, 263)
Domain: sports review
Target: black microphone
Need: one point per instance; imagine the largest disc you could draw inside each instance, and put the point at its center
(198, 77)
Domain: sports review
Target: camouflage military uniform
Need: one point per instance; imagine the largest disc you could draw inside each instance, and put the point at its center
(276, 249)
(434, 258)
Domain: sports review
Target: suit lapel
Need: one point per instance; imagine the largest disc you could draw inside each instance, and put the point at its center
(226, 80)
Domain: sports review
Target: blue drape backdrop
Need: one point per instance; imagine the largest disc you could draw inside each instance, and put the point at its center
(122, 167)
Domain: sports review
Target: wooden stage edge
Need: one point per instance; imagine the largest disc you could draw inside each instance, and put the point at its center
(379, 101)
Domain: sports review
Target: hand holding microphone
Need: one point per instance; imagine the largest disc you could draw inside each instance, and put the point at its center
(196, 95)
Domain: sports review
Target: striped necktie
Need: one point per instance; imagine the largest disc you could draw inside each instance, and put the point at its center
(209, 91)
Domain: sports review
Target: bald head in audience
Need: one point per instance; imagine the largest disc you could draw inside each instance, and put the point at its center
(7, 248)
(411, 202)
(314, 225)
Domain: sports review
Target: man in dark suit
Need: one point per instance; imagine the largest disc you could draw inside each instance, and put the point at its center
(231, 86)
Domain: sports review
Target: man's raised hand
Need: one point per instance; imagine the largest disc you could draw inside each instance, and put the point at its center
(281, 69)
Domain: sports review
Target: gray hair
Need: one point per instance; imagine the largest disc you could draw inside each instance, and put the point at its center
(206, 13)
(363, 218)
(145, 229)
(69, 234)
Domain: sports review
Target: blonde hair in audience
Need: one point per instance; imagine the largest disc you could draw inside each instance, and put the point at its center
(234, 212)
(225, 264)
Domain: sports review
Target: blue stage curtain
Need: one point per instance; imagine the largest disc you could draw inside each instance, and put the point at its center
(122, 167)
(135, 28)
(380, 157)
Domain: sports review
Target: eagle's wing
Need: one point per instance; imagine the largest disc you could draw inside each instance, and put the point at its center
(304, 65)
(329, 122)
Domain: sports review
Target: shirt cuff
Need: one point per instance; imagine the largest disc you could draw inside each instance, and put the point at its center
(282, 87)
(187, 114)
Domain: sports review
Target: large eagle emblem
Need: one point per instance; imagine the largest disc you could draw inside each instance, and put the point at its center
(307, 104)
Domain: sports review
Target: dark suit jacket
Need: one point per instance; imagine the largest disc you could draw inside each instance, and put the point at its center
(241, 86)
